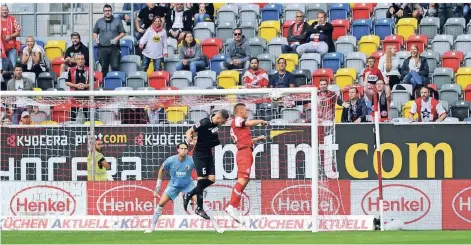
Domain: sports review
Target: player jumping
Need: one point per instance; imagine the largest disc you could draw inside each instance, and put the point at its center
(241, 135)
(180, 167)
(207, 129)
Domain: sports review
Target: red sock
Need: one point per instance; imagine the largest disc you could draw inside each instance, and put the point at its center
(236, 193)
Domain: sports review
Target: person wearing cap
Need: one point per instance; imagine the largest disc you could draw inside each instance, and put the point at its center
(76, 48)
(26, 118)
(18, 82)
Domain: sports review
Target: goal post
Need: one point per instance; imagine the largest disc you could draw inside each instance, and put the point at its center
(294, 180)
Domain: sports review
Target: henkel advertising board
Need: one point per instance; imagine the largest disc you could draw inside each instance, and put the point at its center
(417, 203)
(456, 204)
(124, 198)
(31, 198)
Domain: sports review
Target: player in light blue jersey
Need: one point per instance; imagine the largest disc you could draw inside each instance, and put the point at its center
(180, 167)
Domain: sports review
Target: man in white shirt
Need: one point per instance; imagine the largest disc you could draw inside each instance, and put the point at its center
(427, 108)
(178, 21)
(18, 82)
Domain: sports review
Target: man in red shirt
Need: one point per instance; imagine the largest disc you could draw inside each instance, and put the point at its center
(427, 108)
(371, 74)
(255, 77)
(10, 30)
(241, 135)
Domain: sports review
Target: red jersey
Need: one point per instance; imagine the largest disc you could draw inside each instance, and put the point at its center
(241, 134)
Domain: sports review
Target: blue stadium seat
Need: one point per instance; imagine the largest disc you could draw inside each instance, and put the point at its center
(272, 11)
(339, 11)
(383, 28)
(126, 46)
(361, 28)
(114, 79)
(215, 63)
(333, 61)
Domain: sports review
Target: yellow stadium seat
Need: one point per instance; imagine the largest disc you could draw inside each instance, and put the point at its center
(176, 114)
(150, 69)
(406, 109)
(228, 79)
(96, 123)
(291, 61)
(310, 22)
(345, 77)
(338, 113)
(352, 5)
(368, 44)
(463, 77)
(406, 27)
(49, 122)
(217, 6)
(54, 49)
(269, 29)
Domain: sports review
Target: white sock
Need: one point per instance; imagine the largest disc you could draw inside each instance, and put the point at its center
(155, 217)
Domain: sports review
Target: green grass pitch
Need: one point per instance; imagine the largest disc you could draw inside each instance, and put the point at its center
(233, 237)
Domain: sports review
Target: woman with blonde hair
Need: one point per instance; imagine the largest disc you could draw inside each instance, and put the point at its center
(415, 68)
(389, 66)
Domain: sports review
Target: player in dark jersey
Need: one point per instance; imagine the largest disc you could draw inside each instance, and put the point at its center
(207, 129)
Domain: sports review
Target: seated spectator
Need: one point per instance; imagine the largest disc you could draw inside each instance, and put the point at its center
(26, 119)
(6, 72)
(156, 115)
(154, 45)
(76, 48)
(10, 30)
(389, 66)
(126, 8)
(6, 115)
(296, 34)
(18, 82)
(382, 98)
(238, 52)
(283, 78)
(202, 12)
(255, 77)
(33, 57)
(371, 74)
(326, 109)
(146, 17)
(78, 79)
(427, 108)
(318, 37)
(398, 11)
(415, 68)
(191, 55)
(354, 110)
(178, 21)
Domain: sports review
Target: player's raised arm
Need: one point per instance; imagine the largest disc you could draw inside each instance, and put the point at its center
(251, 123)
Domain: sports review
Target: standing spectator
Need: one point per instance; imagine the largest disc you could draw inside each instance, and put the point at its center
(107, 33)
(432, 10)
(415, 68)
(6, 71)
(76, 48)
(202, 11)
(127, 8)
(381, 99)
(154, 45)
(33, 57)
(326, 103)
(389, 65)
(178, 21)
(238, 52)
(190, 54)
(18, 82)
(296, 34)
(428, 109)
(354, 110)
(371, 74)
(255, 77)
(146, 17)
(78, 80)
(283, 78)
(10, 29)
(26, 118)
(156, 115)
(318, 37)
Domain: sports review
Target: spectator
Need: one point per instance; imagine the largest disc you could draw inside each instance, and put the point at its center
(18, 82)
(202, 11)
(318, 37)
(156, 115)
(178, 21)
(78, 79)
(6, 115)
(238, 52)
(389, 65)
(26, 118)
(107, 33)
(283, 78)
(76, 48)
(371, 74)
(398, 11)
(432, 10)
(415, 68)
(296, 34)
(127, 8)
(9, 31)
(327, 101)
(354, 110)
(6, 71)
(191, 55)
(382, 98)
(255, 77)
(146, 17)
(427, 108)
(154, 45)
(33, 57)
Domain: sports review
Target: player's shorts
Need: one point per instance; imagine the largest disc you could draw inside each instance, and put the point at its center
(204, 164)
(244, 163)
(173, 192)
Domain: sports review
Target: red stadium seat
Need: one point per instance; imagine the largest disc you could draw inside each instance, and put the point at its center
(452, 59)
(434, 87)
(467, 93)
(98, 78)
(362, 11)
(377, 55)
(348, 87)
(341, 28)
(322, 73)
(393, 40)
(61, 113)
(420, 40)
(56, 65)
(286, 26)
(159, 79)
(261, 5)
(211, 47)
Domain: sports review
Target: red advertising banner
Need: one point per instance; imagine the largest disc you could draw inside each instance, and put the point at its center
(456, 204)
(294, 197)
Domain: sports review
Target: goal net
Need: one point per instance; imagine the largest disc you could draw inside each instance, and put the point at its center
(44, 164)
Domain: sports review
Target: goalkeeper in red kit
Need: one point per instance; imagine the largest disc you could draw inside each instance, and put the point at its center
(241, 135)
